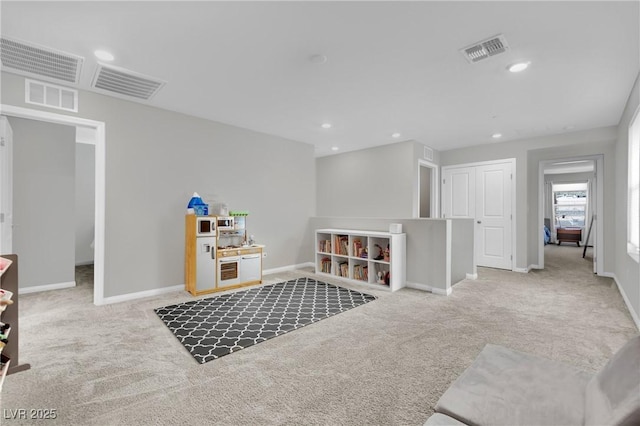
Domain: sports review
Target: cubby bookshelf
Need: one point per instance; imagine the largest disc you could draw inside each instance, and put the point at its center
(374, 258)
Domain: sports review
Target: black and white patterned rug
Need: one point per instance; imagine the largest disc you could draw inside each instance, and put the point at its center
(217, 326)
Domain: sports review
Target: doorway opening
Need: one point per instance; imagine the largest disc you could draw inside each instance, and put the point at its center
(427, 198)
(570, 204)
(97, 131)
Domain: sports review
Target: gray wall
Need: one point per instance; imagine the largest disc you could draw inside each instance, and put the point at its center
(155, 160)
(43, 201)
(366, 183)
(627, 271)
(462, 250)
(375, 182)
(85, 202)
(526, 214)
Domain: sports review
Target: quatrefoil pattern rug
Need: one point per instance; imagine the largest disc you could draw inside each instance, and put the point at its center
(217, 326)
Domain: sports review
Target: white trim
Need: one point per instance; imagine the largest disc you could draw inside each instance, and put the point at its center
(435, 190)
(634, 315)
(448, 254)
(522, 270)
(289, 268)
(46, 287)
(599, 211)
(480, 163)
(142, 294)
(100, 182)
(425, 287)
(181, 287)
(633, 250)
(472, 276)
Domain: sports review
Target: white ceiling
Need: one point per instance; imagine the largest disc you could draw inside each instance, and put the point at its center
(391, 66)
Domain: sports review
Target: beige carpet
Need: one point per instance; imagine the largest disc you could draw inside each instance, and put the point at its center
(384, 363)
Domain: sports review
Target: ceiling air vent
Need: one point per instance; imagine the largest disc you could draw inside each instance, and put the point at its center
(485, 49)
(50, 95)
(39, 62)
(428, 153)
(125, 82)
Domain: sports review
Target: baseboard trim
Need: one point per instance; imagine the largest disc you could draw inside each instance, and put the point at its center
(159, 291)
(634, 315)
(472, 276)
(46, 287)
(425, 287)
(141, 294)
(288, 268)
(521, 270)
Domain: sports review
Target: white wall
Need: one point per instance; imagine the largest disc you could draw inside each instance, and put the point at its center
(43, 202)
(155, 160)
(84, 202)
(627, 271)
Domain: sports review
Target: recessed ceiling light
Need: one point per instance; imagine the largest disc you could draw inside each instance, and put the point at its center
(326, 125)
(103, 55)
(334, 148)
(395, 135)
(496, 135)
(518, 66)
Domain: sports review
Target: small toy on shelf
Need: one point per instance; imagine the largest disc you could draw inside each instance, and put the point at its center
(365, 253)
(380, 255)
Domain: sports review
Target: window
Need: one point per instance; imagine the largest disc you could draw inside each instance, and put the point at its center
(633, 198)
(570, 205)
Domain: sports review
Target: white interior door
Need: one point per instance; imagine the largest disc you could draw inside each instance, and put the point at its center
(6, 186)
(483, 193)
(493, 216)
(458, 193)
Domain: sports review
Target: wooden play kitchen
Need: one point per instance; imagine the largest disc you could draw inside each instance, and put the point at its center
(218, 255)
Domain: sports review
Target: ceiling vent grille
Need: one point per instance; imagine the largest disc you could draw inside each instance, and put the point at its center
(428, 153)
(39, 62)
(50, 95)
(125, 82)
(485, 49)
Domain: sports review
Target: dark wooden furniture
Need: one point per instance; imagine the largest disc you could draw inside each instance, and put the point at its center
(9, 281)
(569, 235)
